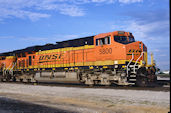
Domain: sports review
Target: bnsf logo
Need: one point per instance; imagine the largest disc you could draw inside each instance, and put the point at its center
(48, 57)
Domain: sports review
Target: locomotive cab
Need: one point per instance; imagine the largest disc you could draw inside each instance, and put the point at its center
(117, 46)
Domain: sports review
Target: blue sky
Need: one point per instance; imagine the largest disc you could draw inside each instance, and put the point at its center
(26, 23)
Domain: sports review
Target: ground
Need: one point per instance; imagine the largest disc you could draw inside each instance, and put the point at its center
(19, 98)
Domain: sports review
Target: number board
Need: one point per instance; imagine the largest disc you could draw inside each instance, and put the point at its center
(105, 51)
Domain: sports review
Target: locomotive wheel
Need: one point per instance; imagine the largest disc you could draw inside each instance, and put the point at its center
(7, 77)
(14, 79)
(141, 79)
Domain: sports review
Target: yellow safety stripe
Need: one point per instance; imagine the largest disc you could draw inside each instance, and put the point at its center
(96, 63)
(8, 57)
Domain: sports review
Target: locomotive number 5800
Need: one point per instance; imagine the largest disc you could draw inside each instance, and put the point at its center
(106, 51)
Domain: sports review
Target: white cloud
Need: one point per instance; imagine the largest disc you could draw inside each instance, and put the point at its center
(35, 39)
(162, 55)
(92, 1)
(129, 1)
(141, 30)
(35, 16)
(71, 10)
(35, 9)
(107, 1)
(49, 39)
(99, 1)
(7, 37)
(156, 50)
(8, 13)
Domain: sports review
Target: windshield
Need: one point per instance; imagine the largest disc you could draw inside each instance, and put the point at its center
(123, 39)
(131, 39)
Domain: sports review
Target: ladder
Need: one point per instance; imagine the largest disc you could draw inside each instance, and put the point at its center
(132, 74)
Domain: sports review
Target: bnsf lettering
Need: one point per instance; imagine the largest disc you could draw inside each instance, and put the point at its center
(48, 57)
(54, 56)
(106, 51)
(41, 57)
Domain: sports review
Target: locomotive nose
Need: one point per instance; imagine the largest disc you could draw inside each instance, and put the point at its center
(137, 51)
(143, 52)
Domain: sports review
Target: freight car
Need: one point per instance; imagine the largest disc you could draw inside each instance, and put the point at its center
(105, 59)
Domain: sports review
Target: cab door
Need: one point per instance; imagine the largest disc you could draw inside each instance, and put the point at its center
(30, 60)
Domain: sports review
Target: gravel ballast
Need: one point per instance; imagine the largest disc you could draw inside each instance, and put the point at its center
(89, 99)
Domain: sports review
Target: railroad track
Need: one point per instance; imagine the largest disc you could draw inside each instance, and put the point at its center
(158, 87)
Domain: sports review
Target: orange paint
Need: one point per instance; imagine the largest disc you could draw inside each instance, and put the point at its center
(113, 51)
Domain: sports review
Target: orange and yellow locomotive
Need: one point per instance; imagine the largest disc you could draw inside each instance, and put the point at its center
(107, 58)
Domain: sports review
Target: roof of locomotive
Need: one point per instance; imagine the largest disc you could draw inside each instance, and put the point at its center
(5, 54)
(77, 42)
(68, 43)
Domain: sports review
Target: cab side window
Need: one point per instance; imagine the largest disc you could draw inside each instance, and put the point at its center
(103, 41)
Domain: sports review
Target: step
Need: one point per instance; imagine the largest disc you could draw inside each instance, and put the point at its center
(132, 75)
(133, 67)
(132, 80)
(131, 83)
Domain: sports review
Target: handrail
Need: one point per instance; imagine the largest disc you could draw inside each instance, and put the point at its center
(13, 66)
(129, 63)
(11, 70)
(137, 60)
